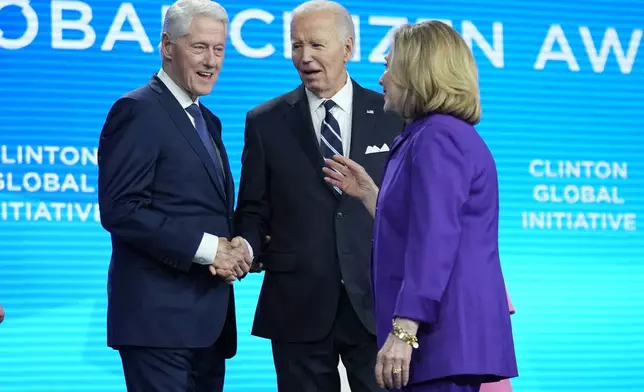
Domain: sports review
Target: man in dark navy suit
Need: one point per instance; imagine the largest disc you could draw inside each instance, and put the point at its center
(315, 303)
(166, 197)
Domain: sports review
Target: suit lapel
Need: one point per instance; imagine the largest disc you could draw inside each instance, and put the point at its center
(215, 132)
(180, 119)
(363, 124)
(301, 126)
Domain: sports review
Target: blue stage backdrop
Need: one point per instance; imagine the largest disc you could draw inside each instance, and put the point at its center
(563, 98)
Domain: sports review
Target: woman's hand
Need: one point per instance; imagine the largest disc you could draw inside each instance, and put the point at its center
(350, 177)
(353, 180)
(392, 364)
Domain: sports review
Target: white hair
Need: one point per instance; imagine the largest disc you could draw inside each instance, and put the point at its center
(180, 14)
(344, 23)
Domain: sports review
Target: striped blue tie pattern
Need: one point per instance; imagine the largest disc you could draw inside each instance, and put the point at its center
(331, 136)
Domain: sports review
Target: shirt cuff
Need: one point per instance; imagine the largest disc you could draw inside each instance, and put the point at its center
(207, 250)
(250, 248)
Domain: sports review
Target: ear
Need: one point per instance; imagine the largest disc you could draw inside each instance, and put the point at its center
(348, 49)
(165, 46)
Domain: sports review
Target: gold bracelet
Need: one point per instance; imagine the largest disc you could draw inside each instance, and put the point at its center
(403, 335)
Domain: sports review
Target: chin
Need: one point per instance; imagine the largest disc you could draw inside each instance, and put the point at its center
(201, 91)
(311, 85)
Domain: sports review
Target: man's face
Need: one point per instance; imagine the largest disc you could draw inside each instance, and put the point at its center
(318, 52)
(196, 58)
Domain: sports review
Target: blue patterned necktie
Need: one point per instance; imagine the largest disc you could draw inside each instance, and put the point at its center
(331, 136)
(206, 139)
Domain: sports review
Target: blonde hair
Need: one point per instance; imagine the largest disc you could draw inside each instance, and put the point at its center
(435, 69)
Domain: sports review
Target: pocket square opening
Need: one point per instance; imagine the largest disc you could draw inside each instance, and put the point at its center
(375, 149)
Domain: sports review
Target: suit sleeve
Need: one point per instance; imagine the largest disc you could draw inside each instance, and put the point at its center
(439, 174)
(253, 207)
(128, 152)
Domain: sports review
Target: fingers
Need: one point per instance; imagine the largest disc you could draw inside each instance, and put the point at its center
(257, 267)
(335, 166)
(227, 276)
(396, 373)
(334, 178)
(334, 182)
(333, 174)
(239, 244)
(387, 369)
(243, 262)
(238, 270)
(405, 372)
(344, 161)
(379, 366)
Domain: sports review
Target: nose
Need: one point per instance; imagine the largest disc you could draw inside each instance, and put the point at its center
(380, 80)
(209, 58)
(306, 54)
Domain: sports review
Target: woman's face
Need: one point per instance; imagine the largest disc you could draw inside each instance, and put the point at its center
(393, 94)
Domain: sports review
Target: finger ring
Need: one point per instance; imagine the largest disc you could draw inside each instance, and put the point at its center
(396, 371)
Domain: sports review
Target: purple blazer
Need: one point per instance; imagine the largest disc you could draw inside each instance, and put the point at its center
(436, 255)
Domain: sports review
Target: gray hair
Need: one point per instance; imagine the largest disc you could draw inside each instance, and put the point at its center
(180, 14)
(346, 29)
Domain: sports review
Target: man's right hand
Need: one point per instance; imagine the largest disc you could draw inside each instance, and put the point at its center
(231, 261)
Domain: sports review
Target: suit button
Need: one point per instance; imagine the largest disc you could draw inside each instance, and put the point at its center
(339, 215)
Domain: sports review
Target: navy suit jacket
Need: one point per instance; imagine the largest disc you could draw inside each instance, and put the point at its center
(158, 194)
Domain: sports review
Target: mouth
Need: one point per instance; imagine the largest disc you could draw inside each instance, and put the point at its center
(311, 72)
(205, 75)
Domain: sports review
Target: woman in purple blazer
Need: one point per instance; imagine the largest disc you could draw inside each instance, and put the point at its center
(442, 317)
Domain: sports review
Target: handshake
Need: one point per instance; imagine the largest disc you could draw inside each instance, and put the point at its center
(232, 260)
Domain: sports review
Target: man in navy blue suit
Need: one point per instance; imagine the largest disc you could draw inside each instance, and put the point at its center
(166, 197)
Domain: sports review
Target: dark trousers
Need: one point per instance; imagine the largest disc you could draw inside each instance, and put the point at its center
(313, 366)
(150, 369)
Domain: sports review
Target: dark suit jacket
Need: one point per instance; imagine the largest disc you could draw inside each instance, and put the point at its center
(158, 195)
(318, 238)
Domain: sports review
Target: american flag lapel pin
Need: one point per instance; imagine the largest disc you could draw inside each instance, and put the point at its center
(369, 111)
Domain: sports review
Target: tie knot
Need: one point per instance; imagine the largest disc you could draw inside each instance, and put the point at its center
(328, 105)
(194, 110)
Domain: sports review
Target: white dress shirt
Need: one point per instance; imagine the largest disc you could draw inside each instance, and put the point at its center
(341, 112)
(207, 250)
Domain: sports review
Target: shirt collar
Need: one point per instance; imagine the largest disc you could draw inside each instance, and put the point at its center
(179, 93)
(342, 98)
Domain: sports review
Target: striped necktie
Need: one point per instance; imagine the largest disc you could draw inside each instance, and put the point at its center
(330, 137)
